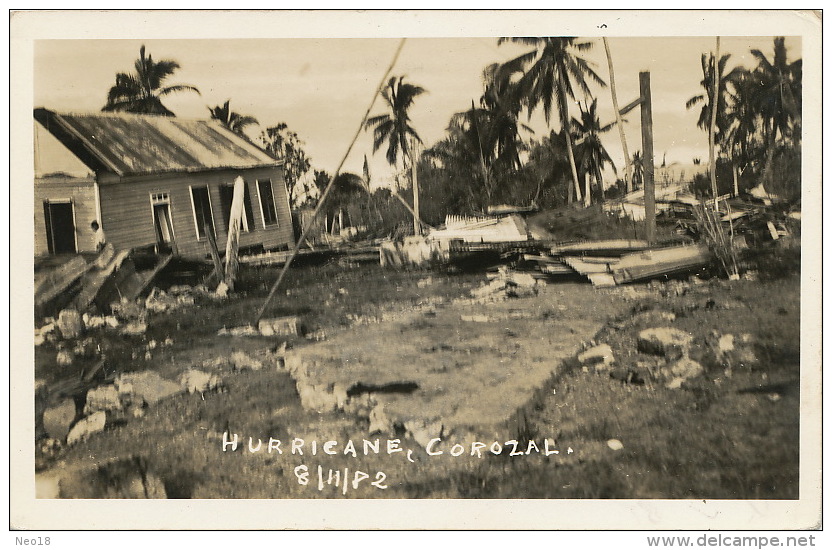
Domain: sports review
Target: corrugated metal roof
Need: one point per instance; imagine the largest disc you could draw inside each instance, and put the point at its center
(146, 144)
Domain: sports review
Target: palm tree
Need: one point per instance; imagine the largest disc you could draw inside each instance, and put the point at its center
(741, 135)
(590, 151)
(394, 127)
(638, 169)
(551, 72)
(706, 98)
(778, 98)
(141, 92)
(235, 122)
(501, 105)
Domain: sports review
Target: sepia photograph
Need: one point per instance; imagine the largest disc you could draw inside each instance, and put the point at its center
(416, 270)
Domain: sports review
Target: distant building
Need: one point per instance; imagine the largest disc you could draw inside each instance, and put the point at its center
(151, 182)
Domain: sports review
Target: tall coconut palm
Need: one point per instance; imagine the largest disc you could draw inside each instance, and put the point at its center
(141, 92)
(235, 122)
(706, 98)
(501, 105)
(394, 126)
(551, 73)
(778, 98)
(591, 154)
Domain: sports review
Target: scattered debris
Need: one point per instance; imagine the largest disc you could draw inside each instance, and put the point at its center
(316, 336)
(65, 357)
(246, 330)
(424, 283)
(280, 326)
(511, 228)
(506, 283)
(134, 328)
(127, 310)
(159, 301)
(475, 318)
(413, 251)
(379, 422)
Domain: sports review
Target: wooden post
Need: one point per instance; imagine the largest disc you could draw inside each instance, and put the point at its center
(647, 161)
(627, 169)
(232, 245)
(215, 253)
(417, 226)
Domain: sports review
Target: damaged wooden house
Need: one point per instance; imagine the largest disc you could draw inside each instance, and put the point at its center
(151, 182)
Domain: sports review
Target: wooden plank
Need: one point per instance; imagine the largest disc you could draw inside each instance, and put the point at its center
(145, 278)
(611, 245)
(660, 262)
(57, 281)
(95, 279)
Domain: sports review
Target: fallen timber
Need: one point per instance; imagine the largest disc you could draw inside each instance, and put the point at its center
(112, 276)
(622, 268)
(654, 263)
(52, 283)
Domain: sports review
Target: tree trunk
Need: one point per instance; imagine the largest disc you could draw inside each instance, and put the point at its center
(564, 122)
(772, 145)
(712, 127)
(736, 177)
(417, 227)
(618, 122)
(587, 194)
(599, 180)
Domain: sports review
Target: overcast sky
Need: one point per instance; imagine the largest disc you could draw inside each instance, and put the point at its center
(321, 87)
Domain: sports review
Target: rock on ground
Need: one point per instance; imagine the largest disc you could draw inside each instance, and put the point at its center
(119, 478)
(242, 361)
(194, 380)
(683, 370)
(70, 324)
(598, 355)
(147, 386)
(135, 328)
(667, 341)
(103, 398)
(58, 419)
(86, 427)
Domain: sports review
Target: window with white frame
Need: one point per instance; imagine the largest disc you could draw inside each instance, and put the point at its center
(203, 216)
(268, 208)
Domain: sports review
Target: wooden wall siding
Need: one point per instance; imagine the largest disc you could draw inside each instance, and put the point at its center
(128, 222)
(82, 194)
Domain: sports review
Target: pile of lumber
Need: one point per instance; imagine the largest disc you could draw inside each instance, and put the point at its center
(610, 263)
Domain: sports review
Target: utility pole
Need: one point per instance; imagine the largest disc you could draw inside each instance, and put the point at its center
(644, 100)
(647, 148)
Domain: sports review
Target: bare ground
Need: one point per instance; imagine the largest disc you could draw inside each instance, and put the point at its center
(723, 435)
